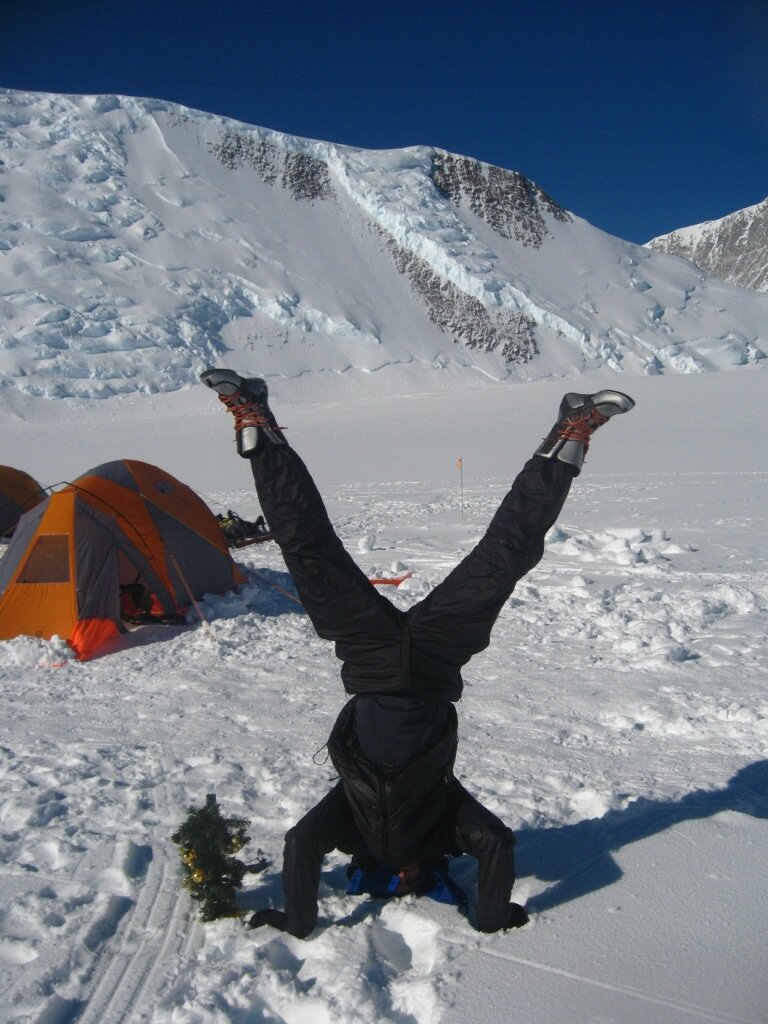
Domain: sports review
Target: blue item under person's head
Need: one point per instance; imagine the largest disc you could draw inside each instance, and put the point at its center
(383, 881)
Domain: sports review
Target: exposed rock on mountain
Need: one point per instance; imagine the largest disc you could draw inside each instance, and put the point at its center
(512, 333)
(511, 203)
(734, 248)
(303, 175)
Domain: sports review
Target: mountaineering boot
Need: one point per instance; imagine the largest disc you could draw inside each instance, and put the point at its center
(247, 399)
(578, 418)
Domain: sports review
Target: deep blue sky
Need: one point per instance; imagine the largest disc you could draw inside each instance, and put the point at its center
(640, 115)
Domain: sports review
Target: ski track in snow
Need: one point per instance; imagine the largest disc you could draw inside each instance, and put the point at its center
(98, 767)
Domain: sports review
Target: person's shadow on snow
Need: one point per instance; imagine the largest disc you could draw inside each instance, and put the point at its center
(578, 858)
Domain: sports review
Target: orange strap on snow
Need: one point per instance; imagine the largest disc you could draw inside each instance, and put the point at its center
(391, 581)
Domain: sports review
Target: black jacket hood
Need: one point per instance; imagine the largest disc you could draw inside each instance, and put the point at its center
(398, 810)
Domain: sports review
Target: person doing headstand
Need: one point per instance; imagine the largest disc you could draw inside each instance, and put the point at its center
(398, 808)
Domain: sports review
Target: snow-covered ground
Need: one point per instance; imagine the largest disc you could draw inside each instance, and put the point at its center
(618, 722)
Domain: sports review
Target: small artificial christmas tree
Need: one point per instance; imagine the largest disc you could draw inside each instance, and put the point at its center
(207, 842)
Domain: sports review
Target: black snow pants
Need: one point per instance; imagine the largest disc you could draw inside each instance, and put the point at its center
(418, 653)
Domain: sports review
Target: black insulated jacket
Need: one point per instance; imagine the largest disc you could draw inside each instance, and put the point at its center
(399, 810)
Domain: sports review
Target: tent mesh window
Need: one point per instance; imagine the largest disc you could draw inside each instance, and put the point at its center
(48, 560)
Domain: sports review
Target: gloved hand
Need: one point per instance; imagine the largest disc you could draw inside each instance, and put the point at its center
(274, 918)
(514, 917)
(517, 916)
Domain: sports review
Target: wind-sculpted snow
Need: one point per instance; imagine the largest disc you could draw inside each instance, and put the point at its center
(140, 241)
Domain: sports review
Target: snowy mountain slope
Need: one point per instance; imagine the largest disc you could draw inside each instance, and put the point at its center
(137, 235)
(734, 248)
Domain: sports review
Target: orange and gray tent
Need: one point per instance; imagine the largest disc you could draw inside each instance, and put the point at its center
(19, 492)
(121, 523)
